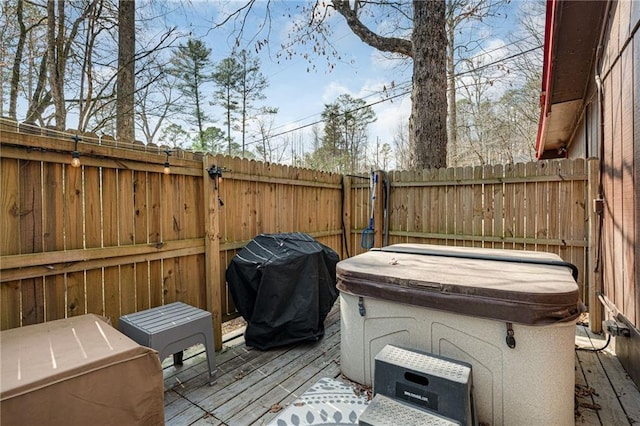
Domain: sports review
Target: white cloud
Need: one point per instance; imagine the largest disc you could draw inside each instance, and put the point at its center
(389, 114)
(332, 90)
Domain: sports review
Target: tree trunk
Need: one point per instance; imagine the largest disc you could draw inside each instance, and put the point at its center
(197, 84)
(428, 120)
(39, 101)
(17, 62)
(126, 70)
(229, 118)
(56, 60)
(452, 142)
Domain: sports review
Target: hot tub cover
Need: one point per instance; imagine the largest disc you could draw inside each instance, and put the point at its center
(284, 285)
(525, 287)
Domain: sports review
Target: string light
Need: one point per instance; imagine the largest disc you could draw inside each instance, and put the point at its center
(215, 173)
(167, 166)
(75, 155)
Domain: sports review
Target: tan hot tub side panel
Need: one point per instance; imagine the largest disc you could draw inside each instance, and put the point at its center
(460, 308)
(78, 371)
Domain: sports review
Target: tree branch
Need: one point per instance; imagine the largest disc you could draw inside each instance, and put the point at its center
(385, 44)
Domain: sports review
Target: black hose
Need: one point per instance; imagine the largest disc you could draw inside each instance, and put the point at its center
(345, 238)
(594, 349)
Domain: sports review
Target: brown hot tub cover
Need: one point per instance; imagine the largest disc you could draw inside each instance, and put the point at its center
(524, 287)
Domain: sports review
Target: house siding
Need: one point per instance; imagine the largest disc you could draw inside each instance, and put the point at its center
(620, 73)
(621, 78)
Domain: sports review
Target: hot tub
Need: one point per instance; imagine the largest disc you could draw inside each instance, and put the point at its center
(510, 314)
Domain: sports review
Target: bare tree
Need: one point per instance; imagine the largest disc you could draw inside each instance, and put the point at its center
(155, 101)
(459, 14)
(267, 149)
(421, 37)
(60, 41)
(401, 146)
(126, 70)
(17, 60)
(57, 60)
(427, 47)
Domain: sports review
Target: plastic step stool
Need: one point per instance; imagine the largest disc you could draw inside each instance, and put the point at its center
(436, 383)
(384, 411)
(170, 329)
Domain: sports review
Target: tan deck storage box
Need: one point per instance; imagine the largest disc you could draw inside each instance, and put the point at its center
(510, 314)
(78, 371)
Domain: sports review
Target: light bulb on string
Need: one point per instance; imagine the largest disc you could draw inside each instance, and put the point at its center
(75, 159)
(75, 155)
(167, 166)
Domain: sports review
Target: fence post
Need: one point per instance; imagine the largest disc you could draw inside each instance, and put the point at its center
(346, 215)
(594, 278)
(378, 209)
(212, 250)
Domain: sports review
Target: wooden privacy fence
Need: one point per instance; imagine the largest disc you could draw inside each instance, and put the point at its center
(117, 235)
(539, 206)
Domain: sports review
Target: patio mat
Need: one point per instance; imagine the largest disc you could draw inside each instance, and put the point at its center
(327, 402)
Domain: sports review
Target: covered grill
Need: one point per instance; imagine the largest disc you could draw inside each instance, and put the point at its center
(284, 285)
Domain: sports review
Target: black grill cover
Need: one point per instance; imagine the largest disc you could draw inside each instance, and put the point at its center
(284, 285)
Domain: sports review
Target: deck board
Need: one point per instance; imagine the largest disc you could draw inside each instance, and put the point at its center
(250, 382)
(615, 392)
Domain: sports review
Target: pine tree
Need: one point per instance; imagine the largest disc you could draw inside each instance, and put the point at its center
(191, 65)
(251, 89)
(240, 85)
(227, 77)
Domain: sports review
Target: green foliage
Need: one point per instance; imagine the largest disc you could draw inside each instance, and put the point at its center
(175, 136)
(191, 66)
(211, 140)
(344, 140)
(227, 78)
(239, 85)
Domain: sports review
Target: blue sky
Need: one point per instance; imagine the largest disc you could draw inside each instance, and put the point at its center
(299, 94)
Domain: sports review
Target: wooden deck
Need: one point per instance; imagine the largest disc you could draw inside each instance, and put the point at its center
(605, 393)
(253, 386)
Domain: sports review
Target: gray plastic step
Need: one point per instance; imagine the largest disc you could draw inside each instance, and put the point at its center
(384, 411)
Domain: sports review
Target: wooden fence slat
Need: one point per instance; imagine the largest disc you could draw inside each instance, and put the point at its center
(553, 196)
(520, 206)
(449, 212)
(32, 290)
(579, 227)
(93, 238)
(141, 236)
(541, 203)
(498, 199)
(477, 207)
(74, 239)
(194, 228)
(529, 210)
(53, 238)
(170, 230)
(9, 200)
(488, 205)
(468, 204)
(414, 205)
(458, 198)
(111, 274)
